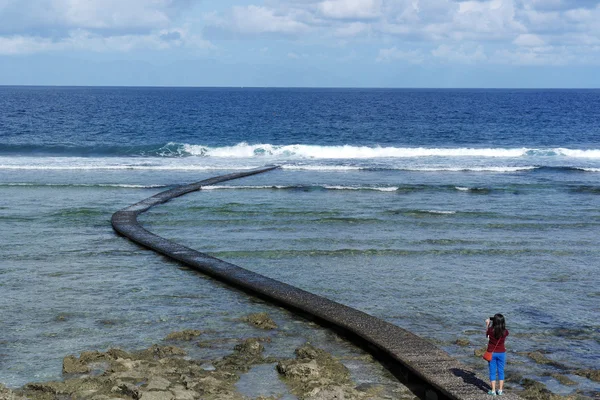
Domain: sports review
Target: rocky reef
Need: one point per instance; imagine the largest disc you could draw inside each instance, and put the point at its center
(165, 372)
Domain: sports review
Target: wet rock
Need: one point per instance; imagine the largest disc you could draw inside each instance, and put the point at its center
(117, 353)
(244, 355)
(540, 358)
(315, 374)
(564, 380)
(127, 389)
(7, 394)
(72, 365)
(157, 352)
(591, 374)
(479, 352)
(462, 342)
(261, 320)
(185, 335)
(534, 390)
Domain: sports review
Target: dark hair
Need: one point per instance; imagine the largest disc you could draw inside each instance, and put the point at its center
(499, 326)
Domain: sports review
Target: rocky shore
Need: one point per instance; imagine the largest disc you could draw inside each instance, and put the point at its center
(166, 372)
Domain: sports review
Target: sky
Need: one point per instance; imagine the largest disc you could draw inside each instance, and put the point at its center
(301, 43)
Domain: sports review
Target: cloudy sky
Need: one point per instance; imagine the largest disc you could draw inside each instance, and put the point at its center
(331, 43)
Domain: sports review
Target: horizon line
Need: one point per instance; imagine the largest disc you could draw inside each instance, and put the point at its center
(298, 87)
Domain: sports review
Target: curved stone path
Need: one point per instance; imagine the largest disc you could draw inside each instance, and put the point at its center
(412, 358)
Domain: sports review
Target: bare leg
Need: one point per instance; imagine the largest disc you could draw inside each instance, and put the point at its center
(493, 383)
(501, 384)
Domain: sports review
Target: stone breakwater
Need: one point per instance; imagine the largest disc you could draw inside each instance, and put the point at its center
(411, 357)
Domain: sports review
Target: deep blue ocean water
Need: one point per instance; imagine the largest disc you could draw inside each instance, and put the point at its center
(432, 209)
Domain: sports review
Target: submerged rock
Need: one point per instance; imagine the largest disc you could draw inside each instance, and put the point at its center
(261, 320)
(540, 358)
(564, 380)
(479, 352)
(591, 374)
(185, 335)
(462, 342)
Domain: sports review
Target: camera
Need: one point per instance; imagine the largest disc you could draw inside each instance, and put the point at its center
(491, 321)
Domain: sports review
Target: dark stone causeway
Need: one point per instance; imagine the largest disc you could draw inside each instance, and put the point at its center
(429, 371)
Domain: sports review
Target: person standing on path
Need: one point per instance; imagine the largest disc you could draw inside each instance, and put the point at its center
(496, 332)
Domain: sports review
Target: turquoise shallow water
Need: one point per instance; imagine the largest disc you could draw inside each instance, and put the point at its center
(429, 209)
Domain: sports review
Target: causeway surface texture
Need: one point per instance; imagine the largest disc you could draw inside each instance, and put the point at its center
(417, 357)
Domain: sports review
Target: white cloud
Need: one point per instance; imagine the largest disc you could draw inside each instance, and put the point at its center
(350, 9)
(455, 31)
(529, 40)
(352, 29)
(94, 25)
(81, 40)
(256, 20)
(485, 20)
(36, 16)
(393, 53)
(460, 54)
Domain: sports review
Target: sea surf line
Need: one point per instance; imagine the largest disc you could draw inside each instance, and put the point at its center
(415, 359)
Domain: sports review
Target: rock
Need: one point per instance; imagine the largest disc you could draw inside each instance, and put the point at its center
(127, 389)
(534, 390)
(591, 374)
(564, 380)
(261, 320)
(157, 383)
(157, 396)
(73, 365)
(245, 354)
(334, 393)
(315, 374)
(155, 352)
(182, 393)
(7, 394)
(542, 359)
(463, 342)
(185, 335)
(479, 352)
(118, 353)
(87, 357)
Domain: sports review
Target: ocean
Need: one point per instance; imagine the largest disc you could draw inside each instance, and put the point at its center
(431, 209)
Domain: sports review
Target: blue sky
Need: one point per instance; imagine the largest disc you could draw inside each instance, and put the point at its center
(315, 43)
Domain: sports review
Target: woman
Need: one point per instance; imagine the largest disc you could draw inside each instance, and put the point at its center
(496, 332)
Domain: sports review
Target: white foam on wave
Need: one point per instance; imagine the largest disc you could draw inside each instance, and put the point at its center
(99, 167)
(328, 187)
(462, 188)
(441, 212)
(594, 153)
(238, 187)
(245, 150)
(378, 189)
(322, 167)
(111, 185)
(474, 169)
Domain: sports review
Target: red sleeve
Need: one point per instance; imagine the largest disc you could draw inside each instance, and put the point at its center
(489, 332)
